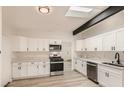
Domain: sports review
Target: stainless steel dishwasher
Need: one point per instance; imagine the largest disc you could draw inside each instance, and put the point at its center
(92, 71)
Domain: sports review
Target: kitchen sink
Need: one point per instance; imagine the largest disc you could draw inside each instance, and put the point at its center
(119, 65)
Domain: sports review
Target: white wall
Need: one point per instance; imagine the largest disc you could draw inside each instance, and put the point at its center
(6, 60)
(0, 41)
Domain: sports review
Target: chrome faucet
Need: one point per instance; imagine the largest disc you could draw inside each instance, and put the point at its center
(117, 57)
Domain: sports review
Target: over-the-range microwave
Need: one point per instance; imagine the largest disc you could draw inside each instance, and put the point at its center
(55, 47)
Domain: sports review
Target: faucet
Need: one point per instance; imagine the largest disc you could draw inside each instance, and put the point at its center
(117, 57)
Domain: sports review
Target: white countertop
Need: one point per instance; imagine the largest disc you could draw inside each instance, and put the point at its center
(30, 60)
(100, 62)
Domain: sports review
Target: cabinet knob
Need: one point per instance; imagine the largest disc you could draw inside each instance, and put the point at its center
(82, 65)
(37, 49)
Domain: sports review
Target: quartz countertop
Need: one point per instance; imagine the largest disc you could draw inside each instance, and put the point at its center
(30, 60)
(100, 62)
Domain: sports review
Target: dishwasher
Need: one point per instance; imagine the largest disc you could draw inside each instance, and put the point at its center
(92, 71)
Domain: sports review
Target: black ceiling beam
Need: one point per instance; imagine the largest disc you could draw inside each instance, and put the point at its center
(98, 18)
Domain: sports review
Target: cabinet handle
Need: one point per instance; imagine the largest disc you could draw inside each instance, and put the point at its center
(19, 68)
(82, 65)
(0, 51)
(95, 49)
(27, 49)
(111, 48)
(55, 42)
(38, 66)
(85, 49)
(44, 66)
(114, 47)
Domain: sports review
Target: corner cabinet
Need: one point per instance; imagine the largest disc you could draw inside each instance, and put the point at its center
(110, 76)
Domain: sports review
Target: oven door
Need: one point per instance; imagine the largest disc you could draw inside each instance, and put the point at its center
(92, 71)
(56, 66)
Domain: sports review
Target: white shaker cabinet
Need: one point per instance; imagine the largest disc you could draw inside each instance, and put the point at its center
(43, 45)
(55, 42)
(33, 68)
(32, 44)
(81, 66)
(19, 43)
(79, 45)
(84, 67)
(109, 41)
(120, 40)
(96, 43)
(19, 70)
(110, 77)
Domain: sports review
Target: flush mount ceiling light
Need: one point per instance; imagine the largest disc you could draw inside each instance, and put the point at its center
(44, 9)
(81, 9)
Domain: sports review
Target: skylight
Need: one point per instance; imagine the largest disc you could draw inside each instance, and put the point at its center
(80, 9)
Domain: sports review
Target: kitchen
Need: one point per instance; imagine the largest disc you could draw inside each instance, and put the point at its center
(55, 46)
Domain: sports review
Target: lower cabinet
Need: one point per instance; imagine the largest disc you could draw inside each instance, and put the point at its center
(33, 69)
(30, 69)
(19, 70)
(81, 66)
(110, 77)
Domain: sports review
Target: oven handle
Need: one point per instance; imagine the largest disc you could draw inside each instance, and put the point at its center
(55, 62)
(91, 64)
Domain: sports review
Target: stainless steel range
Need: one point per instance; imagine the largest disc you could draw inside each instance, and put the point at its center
(56, 63)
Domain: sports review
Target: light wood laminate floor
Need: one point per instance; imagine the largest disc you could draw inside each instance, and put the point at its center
(69, 79)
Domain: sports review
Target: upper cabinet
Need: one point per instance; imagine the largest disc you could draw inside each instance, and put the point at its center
(55, 42)
(109, 41)
(120, 40)
(19, 43)
(43, 45)
(32, 44)
(79, 45)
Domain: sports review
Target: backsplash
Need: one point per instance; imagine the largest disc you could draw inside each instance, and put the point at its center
(30, 55)
(109, 55)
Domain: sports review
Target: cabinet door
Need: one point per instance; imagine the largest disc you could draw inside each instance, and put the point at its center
(19, 43)
(24, 69)
(56, 42)
(120, 40)
(16, 70)
(32, 44)
(33, 68)
(43, 45)
(96, 43)
(109, 42)
(84, 68)
(46, 44)
(47, 68)
(75, 65)
(109, 77)
(103, 77)
(79, 45)
(41, 68)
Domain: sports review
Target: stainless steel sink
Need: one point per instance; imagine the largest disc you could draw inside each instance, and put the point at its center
(119, 65)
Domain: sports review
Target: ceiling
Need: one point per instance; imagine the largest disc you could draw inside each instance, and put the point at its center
(26, 21)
